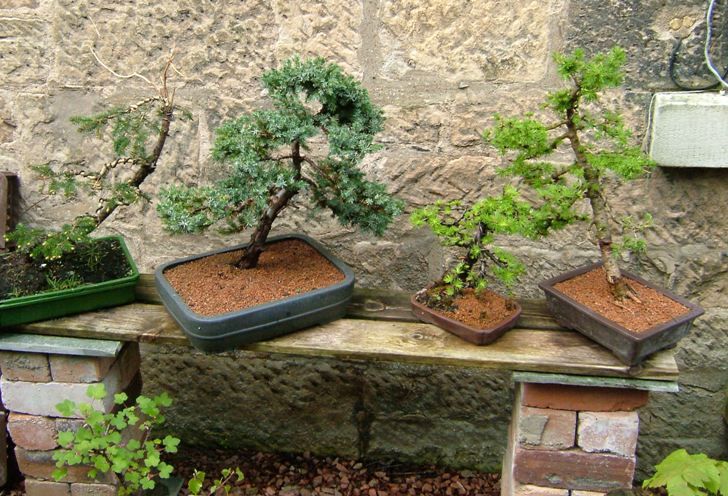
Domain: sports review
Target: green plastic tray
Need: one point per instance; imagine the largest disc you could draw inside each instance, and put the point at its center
(85, 298)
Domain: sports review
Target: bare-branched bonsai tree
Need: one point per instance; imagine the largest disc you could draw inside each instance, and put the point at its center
(270, 161)
(599, 143)
(138, 134)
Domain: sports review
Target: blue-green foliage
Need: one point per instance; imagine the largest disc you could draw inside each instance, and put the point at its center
(311, 99)
(598, 134)
(683, 474)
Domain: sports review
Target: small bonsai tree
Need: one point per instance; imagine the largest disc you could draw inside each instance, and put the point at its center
(599, 143)
(271, 157)
(138, 134)
(473, 229)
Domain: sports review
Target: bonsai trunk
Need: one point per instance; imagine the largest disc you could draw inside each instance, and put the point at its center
(276, 203)
(600, 215)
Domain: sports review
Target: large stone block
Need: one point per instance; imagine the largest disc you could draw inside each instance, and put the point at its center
(24, 51)
(468, 40)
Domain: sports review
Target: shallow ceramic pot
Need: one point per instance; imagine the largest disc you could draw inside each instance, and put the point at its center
(86, 298)
(265, 321)
(629, 346)
(471, 334)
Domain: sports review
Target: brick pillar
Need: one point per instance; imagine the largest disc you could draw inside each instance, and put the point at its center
(32, 384)
(571, 440)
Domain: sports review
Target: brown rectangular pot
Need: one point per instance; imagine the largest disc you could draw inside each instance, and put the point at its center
(629, 346)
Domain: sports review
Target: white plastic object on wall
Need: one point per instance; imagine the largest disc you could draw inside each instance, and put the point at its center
(689, 130)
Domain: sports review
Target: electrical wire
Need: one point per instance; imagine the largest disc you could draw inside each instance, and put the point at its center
(708, 36)
(678, 46)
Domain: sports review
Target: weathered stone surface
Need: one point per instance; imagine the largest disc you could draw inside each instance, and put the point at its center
(31, 367)
(35, 487)
(23, 51)
(67, 368)
(3, 450)
(461, 40)
(573, 469)
(79, 489)
(40, 465)
(32, 432)
(527, 490)
(546, 428)
(577, 398)
(608, 432)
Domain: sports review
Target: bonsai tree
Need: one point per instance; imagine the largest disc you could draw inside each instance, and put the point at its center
(473, 230)
(138, 133)
(272, 158)
(599, 144)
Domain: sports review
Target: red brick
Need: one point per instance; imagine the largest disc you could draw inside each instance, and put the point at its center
(40, 465)
(68, 368)
(544, 428)
(573, 470)
(29, 367)
(35, 487)
(32, 432)
(609, 432)
(79, 489)
(582, 398)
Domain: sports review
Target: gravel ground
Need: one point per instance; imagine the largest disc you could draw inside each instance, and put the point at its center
(268, 474)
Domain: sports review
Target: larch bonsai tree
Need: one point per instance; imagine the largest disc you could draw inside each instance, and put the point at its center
(137, 134)
(473, 229)
(272, 158)
(599, 144)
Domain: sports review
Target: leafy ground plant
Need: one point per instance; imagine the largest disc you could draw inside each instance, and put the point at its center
(683, 474)
(121, 442)
(312, 141)
(598, 141)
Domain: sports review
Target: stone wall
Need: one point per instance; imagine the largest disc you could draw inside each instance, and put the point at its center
(440, 69)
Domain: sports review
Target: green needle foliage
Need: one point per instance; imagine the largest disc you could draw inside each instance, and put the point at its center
(599, 144)
(683, 474)
(106, 441)
(273, 156)
(474, 229)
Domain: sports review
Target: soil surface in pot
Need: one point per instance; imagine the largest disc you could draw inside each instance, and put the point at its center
(479, 310)
(97, 261)
(212, 285)
(592, 290)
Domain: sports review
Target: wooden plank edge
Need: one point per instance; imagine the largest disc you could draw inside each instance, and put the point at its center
(662, 385)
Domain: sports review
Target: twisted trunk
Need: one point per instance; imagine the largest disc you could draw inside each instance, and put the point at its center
(276, 203)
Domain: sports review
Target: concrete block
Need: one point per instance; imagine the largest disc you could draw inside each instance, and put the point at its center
(573, 469)
(32, 432)
(546, 428)
(608, 432)
(35, 487)
(30, 367)
(583, 398)
(68, 368)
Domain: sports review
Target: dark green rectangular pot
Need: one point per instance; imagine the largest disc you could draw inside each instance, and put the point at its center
(53, 304)
(260, 322)
(630, 347)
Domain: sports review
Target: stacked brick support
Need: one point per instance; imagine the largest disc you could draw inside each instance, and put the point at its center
(32, 384)
(571, 440)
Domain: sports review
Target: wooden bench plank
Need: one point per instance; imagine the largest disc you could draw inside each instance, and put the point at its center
(521, 349)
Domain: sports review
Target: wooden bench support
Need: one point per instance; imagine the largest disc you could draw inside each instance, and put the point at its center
(37, 374)
(577, 440)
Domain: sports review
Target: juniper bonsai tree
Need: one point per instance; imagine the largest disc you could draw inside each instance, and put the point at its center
(599, 144)
(272, 157)
(473, 229)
